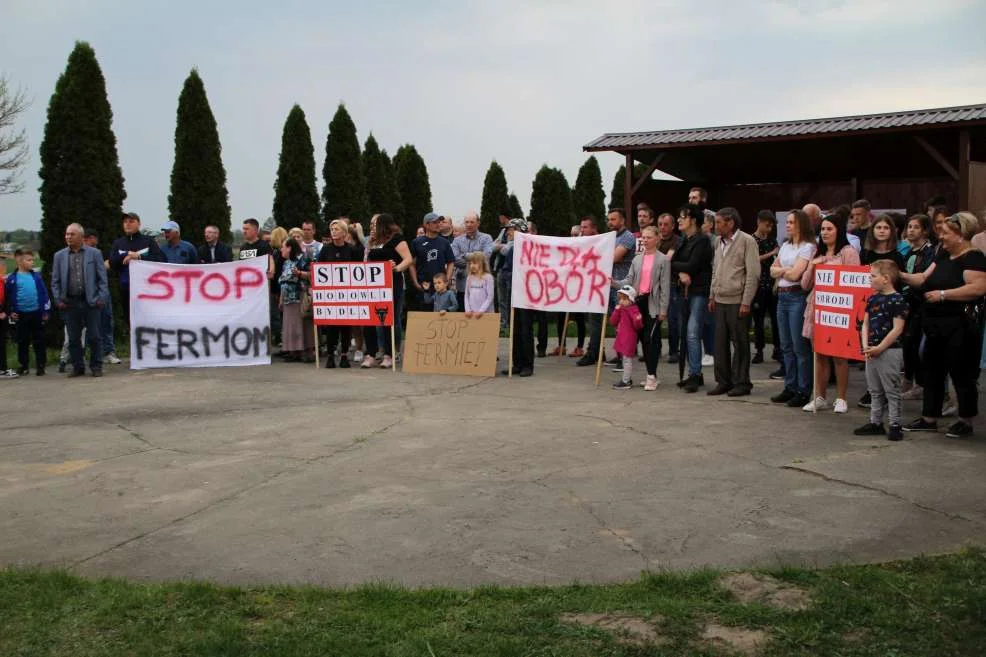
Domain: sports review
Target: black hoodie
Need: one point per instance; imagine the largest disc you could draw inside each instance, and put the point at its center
(136, 242)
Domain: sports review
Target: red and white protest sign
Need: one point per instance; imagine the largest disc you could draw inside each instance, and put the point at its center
(841, 292)
(353, 293)
(562, 274)
(199, 315)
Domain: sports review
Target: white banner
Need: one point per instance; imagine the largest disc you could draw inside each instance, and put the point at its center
(562, 274)
(199, 315)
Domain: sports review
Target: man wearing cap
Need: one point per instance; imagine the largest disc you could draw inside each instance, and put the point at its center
(176, 250)
(522, 344)
(79, 290)
(472, 241)
(213, 250)
(134, 245)
(432, 255)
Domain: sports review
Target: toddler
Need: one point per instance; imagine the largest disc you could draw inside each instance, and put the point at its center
(628, 322)
(442, 299)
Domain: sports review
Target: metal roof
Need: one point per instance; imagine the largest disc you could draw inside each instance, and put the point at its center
(782, 129)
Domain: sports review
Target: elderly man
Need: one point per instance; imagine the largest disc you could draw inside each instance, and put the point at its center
(815, 217)
(213, 250)
(176, 250)
(79, 289)
(735, 279)
(472, 241)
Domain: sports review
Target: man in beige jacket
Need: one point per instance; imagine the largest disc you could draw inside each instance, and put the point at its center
(735, 273)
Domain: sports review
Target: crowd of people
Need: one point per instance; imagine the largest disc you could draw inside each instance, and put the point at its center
(698, 273)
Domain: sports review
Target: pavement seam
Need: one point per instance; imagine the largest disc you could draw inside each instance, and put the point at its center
(624, 541)
(877, 489)
(624, 427)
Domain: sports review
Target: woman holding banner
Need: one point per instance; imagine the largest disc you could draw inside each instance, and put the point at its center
(953, 325)
(650, 277)
(833, 249)
(295, 339)
(339, 249)
(387, 243)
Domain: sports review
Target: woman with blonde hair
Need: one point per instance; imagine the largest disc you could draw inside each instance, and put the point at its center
(278, 237)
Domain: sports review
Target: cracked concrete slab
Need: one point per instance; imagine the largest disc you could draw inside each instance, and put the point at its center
(290, 474)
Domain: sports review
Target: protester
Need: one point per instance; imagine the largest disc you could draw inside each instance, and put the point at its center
(691, 270)
(650, 278)
(309, 244)
(765, 303)
(883, 324)
(213, 250)
(471, 241)
(953, 292)
(392, 246)
(862, 217)
(295, 340)
(667, 244)
(735, 279)
(626, 246)
(523, 326)
(479, 286)
(502, 283)
(445, 229)
(254, 247)
(278, 237)
(833, 248)
(176, 250)
(440, 299)
(338, 249)
(432, 254)
(628, 321)
(881, 243)
(91, 239)
(920, 255)
(815, 218)
(132, 246)
(25, 300)
(792, 260)
(587, 228)
(79, 289)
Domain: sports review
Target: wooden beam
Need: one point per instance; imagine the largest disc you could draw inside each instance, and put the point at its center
(628, 190)
(647, 174)
(965, 169)
(854, 194)
(937, 156)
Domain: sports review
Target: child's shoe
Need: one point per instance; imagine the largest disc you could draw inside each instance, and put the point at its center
(623, 385)
(841, 406)
(896, 432)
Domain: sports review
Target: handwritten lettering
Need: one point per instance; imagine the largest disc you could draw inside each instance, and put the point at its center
(193, 284)
(203, 343)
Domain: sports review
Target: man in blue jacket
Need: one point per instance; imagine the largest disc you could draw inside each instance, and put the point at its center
(28, 306)
(176, 250)
(132, 246)
(79, 290)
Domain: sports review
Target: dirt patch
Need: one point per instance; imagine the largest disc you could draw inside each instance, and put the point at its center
(631, 630)
(763, 589)
(738, 639)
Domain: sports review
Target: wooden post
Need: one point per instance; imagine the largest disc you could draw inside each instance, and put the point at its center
(602, 351)
(393, 347)
(563, 338)
(965, 192)
(315, 335)
(510, 346)
(628, 193)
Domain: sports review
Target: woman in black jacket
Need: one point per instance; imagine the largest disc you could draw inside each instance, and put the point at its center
(691, 270)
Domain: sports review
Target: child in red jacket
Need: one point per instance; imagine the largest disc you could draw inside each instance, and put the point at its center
(628, 322)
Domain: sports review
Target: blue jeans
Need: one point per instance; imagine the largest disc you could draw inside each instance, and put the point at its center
(503, 291)
(674, 321)
(698, 307)
(790, 320)
(78, 314)
(106, 326)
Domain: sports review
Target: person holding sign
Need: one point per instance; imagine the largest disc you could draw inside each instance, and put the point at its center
(478, 286)
(339, 249)
(833, 249)
(134, 245)
(387, 243)
(953, 292)
(523, 330)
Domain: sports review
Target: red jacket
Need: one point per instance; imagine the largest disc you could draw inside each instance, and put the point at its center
(628, 323)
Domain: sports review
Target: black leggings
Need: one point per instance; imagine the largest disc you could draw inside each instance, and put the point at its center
(951, 349)
(337, 335)
(913, 370)
(650, 337)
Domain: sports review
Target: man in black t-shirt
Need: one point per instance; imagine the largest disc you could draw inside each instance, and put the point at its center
(432, 255)
(253, 246)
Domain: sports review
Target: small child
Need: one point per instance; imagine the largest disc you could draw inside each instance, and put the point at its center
(883, 324)
(628, 322)
(442, 299)
(479, 286)
(28, 305)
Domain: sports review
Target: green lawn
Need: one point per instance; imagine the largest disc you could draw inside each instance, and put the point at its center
(924, 607)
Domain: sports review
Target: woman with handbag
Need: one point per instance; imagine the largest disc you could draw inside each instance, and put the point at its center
(953, 287)
(295, 340)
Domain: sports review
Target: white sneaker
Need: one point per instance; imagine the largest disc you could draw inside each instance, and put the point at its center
(651, 383)
(9, 374)
(386, 363)
(818, 405)
(357, 356)
(368, 362)
(841, 406)
(915, 392)
(111, 359)
(708, 361)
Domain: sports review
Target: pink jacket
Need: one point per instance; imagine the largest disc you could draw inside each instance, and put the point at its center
(628, 323)
(847, 256)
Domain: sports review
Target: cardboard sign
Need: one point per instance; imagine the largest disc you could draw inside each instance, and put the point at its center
(353, 293)
(199, 315)
(451, 344)
(840, 299)
(562, 274)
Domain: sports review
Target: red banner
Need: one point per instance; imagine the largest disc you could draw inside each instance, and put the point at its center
(353, 293)
(840, 296)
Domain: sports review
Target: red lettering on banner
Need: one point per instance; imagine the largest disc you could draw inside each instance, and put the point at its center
(188, 275)
(544, 283)
(159, 278)
(214, 286)
(204, 287)
(247, 277)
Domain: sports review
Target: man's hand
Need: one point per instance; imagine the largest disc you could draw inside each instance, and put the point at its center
(442, 313)
(685, 278)
(13, 316)
(712, 306)
(744, 310)
(661, 318)
(131, 255)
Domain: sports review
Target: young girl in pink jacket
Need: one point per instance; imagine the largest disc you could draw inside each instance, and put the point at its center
(628, 322)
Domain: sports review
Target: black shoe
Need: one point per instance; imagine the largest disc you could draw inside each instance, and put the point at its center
(757, 358)
(330, 362)
(615, 361)
(870, 429)
(777, 355)
(783, 397)
(40, 371)
(778, 375)
(739, 391)
(959, 430)
(542, 353)
(23, 370)
(97, 373)
(920, 425)
(344, 362)
(693, 383)
(527, 371)
(797, 401)
(720, 389)
(895, 433)
(865, 401)
(75, 373)
(672, 359)
(588, 359)
(623, 385)
(62, 366)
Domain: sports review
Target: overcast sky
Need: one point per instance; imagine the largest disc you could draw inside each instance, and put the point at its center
(522, 82)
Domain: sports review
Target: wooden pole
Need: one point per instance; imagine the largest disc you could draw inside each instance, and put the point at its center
(510, 346)
(602, 351)
(315, 335)
(393, 347)
(563, 338)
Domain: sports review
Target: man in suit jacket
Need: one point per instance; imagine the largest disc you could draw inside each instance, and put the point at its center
(213, 250)
(79, 290)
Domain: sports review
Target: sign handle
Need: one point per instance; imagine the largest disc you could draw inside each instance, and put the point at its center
(315, 333)
(602, 351)
(510, 346)
(393, 347)
(564, 335)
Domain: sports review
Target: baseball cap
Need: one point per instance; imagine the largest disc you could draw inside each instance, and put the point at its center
(131, 215)
(430, 217)
(629, 292)
(169, 225)
(518, 224)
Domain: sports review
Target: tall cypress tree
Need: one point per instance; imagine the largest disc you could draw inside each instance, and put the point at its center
(80, 172)
(198, 195)
(495, 199)
(616, 199)
(381, 181)
(551, 202)
(588, 196)
(514, 204)
(344, 193)
(412, 181)
(295, 194)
